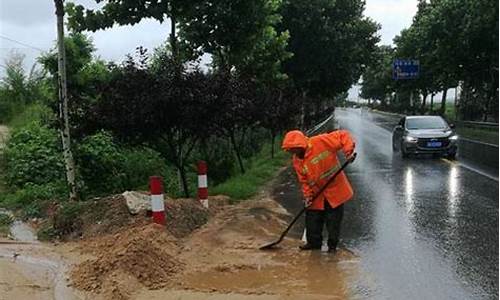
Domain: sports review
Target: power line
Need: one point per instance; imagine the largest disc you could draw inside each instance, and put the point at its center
(21, 43)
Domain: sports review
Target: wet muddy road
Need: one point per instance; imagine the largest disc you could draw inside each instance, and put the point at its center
(422, 228)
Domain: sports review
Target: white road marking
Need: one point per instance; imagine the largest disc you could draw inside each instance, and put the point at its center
(470, 168)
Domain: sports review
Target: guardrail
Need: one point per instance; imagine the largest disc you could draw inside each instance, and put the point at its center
(486, 125)
(320, 126)
(481, 153)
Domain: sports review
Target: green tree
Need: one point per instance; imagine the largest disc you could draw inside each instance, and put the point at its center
(130, 12)
(331, 42)
(18, 88)
(377, 78)
(238, 34)
(85, 75)
(456, 42)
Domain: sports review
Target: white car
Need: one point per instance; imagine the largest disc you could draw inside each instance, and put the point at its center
(424, 134)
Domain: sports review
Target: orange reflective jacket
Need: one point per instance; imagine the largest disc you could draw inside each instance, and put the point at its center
(319, 163)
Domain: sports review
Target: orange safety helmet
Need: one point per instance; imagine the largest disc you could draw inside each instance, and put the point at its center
(294, 139)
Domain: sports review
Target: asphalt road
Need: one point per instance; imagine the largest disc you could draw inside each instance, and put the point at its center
(423, 228)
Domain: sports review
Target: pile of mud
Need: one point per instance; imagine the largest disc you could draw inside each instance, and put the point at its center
(183, 216)
(110, 215)
(107, 215)
(144, 254)
(129, 251)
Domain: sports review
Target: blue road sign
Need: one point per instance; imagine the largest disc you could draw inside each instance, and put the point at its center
(405, 69)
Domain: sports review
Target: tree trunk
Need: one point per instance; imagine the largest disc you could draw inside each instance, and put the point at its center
(443, 101)
(487, 106)
(432, 102)
(424, 99)
(183, 179)
(237, 152)
(173, 38)
(411, 101)
(63, 103)
(273, 136)
(303, 111)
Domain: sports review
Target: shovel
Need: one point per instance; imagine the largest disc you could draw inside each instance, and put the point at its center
(271, 245)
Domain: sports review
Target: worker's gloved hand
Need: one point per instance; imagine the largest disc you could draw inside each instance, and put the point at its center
(307, 201)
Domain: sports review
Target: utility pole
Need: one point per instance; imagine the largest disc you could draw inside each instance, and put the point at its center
(63, 103)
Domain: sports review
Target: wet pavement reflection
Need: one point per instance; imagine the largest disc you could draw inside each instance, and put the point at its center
(423, 228)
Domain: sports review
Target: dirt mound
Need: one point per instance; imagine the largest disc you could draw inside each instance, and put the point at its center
(183, 216)
(110, 215)
(146, 254)
(130, 251)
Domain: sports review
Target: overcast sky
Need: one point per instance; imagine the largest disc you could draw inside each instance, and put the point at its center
(32, 24)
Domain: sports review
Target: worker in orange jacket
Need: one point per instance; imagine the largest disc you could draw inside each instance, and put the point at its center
(315, 160)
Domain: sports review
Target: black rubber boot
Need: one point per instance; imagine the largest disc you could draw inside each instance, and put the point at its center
(314, 228)
(333, 218)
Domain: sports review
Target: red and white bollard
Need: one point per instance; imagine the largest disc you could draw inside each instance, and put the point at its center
(157, 204)
(202, 183)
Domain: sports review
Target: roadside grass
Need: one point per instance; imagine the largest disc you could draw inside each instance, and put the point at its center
(450, 112)
(260, 169)
(478, 134)
(32, 113)
(489, 136)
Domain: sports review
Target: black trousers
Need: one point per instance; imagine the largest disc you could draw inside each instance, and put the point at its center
(316, 219)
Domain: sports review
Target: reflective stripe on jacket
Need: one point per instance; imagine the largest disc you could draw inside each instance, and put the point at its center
(320, 163)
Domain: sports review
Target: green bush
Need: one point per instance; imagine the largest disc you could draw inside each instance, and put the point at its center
(35, 112)
(139, 164)
(34, 168)
(108, 167)
(34, 198)
(220, 159)
(99, 161)
(68, 220)
(5, 221)
(46, 232)
(33, 155)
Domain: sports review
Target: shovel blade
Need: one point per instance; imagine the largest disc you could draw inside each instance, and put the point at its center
(269, 246)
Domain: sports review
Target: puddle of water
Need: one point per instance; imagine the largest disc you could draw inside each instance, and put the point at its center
(319, 274)
(21, 231)
(48, 270)
(50, 273)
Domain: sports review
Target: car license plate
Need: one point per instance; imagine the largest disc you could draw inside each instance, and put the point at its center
(434, 144)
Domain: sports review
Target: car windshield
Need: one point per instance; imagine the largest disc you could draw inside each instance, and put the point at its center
(425, 123)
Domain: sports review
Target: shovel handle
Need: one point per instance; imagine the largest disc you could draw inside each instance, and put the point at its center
(323, 188)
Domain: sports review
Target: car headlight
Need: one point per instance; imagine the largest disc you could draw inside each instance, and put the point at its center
(453, 137)
(411, 139)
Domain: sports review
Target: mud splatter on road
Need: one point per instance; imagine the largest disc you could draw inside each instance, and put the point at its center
(33, 271)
